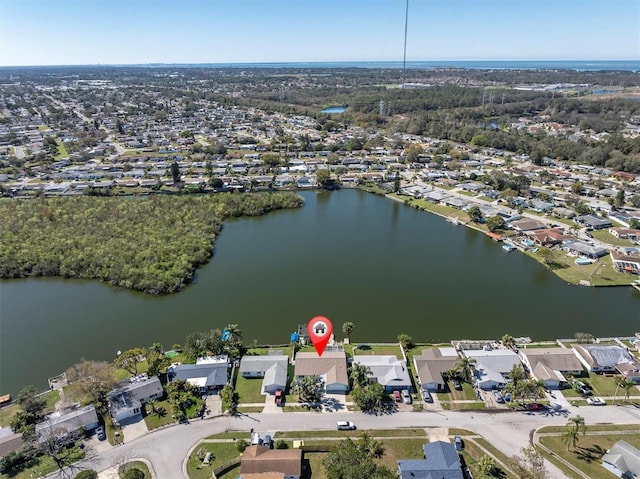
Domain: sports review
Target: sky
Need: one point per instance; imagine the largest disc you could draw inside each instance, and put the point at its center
(79, 32)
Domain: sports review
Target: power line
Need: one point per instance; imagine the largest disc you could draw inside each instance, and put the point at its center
(404, 58)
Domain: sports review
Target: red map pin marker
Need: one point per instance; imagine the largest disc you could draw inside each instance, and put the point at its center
(320, 329)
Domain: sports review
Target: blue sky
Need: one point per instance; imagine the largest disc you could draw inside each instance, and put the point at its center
(54, 32)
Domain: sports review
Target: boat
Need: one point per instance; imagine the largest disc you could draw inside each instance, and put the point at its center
(5, 399)
(508, 247)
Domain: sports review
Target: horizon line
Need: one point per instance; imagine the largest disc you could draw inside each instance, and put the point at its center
(312, 62)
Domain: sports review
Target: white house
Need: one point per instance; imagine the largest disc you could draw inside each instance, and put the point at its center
(208, 374)
(623, 460)
(62, 424)
(126, 401)
(273, 368)
(388, 371)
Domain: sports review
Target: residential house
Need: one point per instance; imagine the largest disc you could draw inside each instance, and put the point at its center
(126, 401)
(389, 371)
(549, 236)
(492, 366)
(607, 359)
(582, 248)
(331, 366)
(550, 365)
(623, 460)
(62, 423)
(594, 222)
(261, 462)
(209, 374)
(626, 262)
(273, 368)
(527, 224)
(441, 461)
(625, 233)
(433, 365)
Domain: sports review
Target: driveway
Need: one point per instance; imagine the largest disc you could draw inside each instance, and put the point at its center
(134, 429)
(334, 403)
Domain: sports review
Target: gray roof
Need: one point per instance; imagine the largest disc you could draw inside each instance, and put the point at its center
(203, 375)
(441, 462)
(139, 388)
(276, 375)
(58, 424)
(388, 370)
(261, 363)
(499, 360)
(586, 249)
(624, 457)
(609, 356)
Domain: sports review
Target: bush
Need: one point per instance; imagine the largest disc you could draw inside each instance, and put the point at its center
(134, 473)
(87, 474)
(281, 444)
(242, 445)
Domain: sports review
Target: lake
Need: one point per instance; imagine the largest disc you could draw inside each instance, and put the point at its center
(348, 255)
(334, 109)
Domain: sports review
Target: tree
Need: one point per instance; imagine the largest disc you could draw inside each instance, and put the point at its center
(31, 412)
(487, 465)
(465, 367)
(271, 161)
(230, 398)
(475, 214)
(323, 177)
(134, 473)
(575, 426)
(309, 389)
(242, 444)
(495, 223)
(624, 383)
(353, 460)
(359, 375)
(347, 329)
(95, 380)
(175, 172)
(529, 465)
(517, 376)
(156, 360)
(508, 341)
(129, 360)
(577, 188)
(369, 398)
(405, 341)
(119, 127)
(183, 396)
(619, 201)
(87, 474)
(396, 182)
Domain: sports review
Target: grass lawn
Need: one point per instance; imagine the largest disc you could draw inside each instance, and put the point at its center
(378, 349)
(122, 470)
(600, 273)
(44, 465)
(464, 406)
(594, 428)
(315, 469)
(403, 432)
(62, 150)
(7, 412)
(395, 449)
(588, 451)
(249, 390)
(452, 394)
(604, 386)
(263, 351)
(249, 409)
(156, 420)
(606, 237)
(472, 454)
(221, 453)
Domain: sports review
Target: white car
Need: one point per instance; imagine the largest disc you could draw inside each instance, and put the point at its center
(345, 425)
(595, 401)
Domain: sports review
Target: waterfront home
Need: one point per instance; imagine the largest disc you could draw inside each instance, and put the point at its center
(433, 365)
(527, 224)
(441, 460)
(389, 371)
(261, 462)
(605, 359)
(126, 400)
(209, 374)
(272, 368)
(550, 365)
(626, 262)
(548, 236)
(331, 367)
(582, 248)
(61, 424)
(623, 460)
(492, 366)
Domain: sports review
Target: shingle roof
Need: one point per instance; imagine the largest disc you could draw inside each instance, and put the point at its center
(388, 370)
(260, 363)
(332, 364)
(441, 462)
(261, 459)
(203, 375)
(559, 359)
(624, 457)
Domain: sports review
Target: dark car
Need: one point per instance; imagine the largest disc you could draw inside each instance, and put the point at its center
(100, 433)
(279, 397)
(457, 384)
(535, 407)
(396, 396)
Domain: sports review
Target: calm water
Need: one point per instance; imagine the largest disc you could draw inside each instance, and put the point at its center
(348, 255)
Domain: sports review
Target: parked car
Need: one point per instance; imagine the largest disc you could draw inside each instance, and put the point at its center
(279, 397)
(507, 397)
(406, 396)
(535, 407)
(457, 384)
(396, 396)
(345, 426)
(596, 401)
(498, 396)
(457, 441)
(256, 440)
(267, 441)
(426, 395)
(100, 433)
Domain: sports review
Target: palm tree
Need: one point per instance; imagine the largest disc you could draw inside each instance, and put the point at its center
(347, 329)
(372, 447)
(625, 384)
(466, 367)
(508, 341)
(574, 427)
(359, 375)
(577, 422)
(570, 437)
(234, 331)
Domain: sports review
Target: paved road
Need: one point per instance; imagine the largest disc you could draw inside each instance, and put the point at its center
(166, 449)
